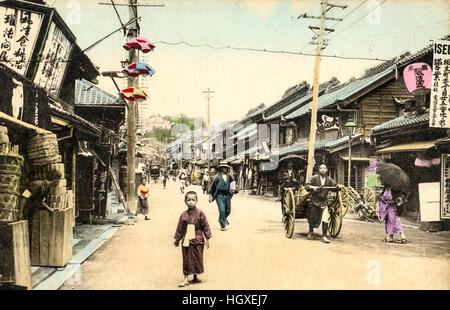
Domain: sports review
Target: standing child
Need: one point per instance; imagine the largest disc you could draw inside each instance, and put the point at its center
(142, 193)
(194, 231)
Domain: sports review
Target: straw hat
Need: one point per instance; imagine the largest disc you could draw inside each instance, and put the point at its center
(224, 164)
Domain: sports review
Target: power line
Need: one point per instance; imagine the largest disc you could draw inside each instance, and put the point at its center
(263, 50)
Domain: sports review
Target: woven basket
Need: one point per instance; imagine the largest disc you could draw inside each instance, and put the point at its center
(10, 174)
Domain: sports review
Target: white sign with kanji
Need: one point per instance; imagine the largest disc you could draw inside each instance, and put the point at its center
(18, 33)
(439, 101)
(54, 60)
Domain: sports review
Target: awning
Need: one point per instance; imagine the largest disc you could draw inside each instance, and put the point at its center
(408, 147)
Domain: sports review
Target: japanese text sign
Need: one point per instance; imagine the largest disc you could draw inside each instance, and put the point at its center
(18, 33)
(54, 59)
(439, 101)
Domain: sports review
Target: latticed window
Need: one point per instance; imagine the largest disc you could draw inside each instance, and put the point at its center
(357, 175)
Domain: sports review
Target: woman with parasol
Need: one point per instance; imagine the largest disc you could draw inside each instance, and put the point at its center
(396, 183)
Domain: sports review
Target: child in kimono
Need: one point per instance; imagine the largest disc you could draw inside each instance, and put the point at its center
(194, 232)
(142, 193)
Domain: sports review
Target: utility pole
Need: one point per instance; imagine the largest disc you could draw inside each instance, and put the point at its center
(325, 7)
(133, 31)
(208, 97)
(131, 114)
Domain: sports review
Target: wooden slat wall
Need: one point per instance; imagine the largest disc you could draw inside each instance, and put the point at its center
(15, 254)
(379, 106)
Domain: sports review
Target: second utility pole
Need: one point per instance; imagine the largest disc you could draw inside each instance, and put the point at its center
(208, 97)
(325, 7)
(312, 128)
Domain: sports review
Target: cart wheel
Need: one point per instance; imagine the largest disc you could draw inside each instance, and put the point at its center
(289, 213)
(368, 197)
(336, 215)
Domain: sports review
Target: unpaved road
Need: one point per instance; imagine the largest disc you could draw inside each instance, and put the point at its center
(255, 254)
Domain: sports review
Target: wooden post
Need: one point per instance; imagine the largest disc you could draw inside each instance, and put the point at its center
(208, 97)
(131, 117)
(312, 130)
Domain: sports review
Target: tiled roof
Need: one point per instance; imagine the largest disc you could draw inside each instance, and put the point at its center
(78, 120)
(303, 146)
(400, 122)
(307, 96)
(342, 93)
(87, 93)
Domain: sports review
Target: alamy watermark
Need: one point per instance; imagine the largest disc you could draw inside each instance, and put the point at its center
(374, 273)
(374, 16)
(74, 14)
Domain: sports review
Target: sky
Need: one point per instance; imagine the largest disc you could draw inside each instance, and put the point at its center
(242, 80)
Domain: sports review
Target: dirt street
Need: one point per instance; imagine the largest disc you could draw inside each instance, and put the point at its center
(255, 254)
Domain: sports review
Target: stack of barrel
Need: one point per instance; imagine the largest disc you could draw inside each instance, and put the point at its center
(42, 150)
(51, 243)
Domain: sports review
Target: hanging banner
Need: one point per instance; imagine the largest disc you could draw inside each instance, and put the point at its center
(54, 59)
(18, 33)
(439, 100)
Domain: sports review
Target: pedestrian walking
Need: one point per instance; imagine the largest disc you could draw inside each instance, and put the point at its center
(194, 232)
(205, 182)
(182, 177)
(317, 211)
(164, 180)
(396, 183)
(390, 207)
(221, 192)
(143, 193)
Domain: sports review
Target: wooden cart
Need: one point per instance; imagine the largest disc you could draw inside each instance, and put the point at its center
(295, 202)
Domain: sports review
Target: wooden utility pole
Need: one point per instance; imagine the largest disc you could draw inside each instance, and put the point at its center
(133, 31)
(325, 7)
(208, 97)
(131, 114)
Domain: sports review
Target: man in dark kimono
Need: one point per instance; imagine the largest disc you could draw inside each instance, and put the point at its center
(318, 209)
(193, 229)
(221, 193)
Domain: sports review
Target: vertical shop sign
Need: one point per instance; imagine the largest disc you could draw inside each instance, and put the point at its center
(53, 61)
(439, 101)
(445, 187)
(18, 33)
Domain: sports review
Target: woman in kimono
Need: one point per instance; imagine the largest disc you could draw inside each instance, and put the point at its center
(193, 229)
(390, 207)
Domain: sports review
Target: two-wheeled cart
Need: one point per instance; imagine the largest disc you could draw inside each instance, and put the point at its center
(295, 202)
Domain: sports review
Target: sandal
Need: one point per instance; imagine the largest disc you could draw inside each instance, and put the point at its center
(193, 281)
(183, 284)
(402, 241)
(388, 240)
